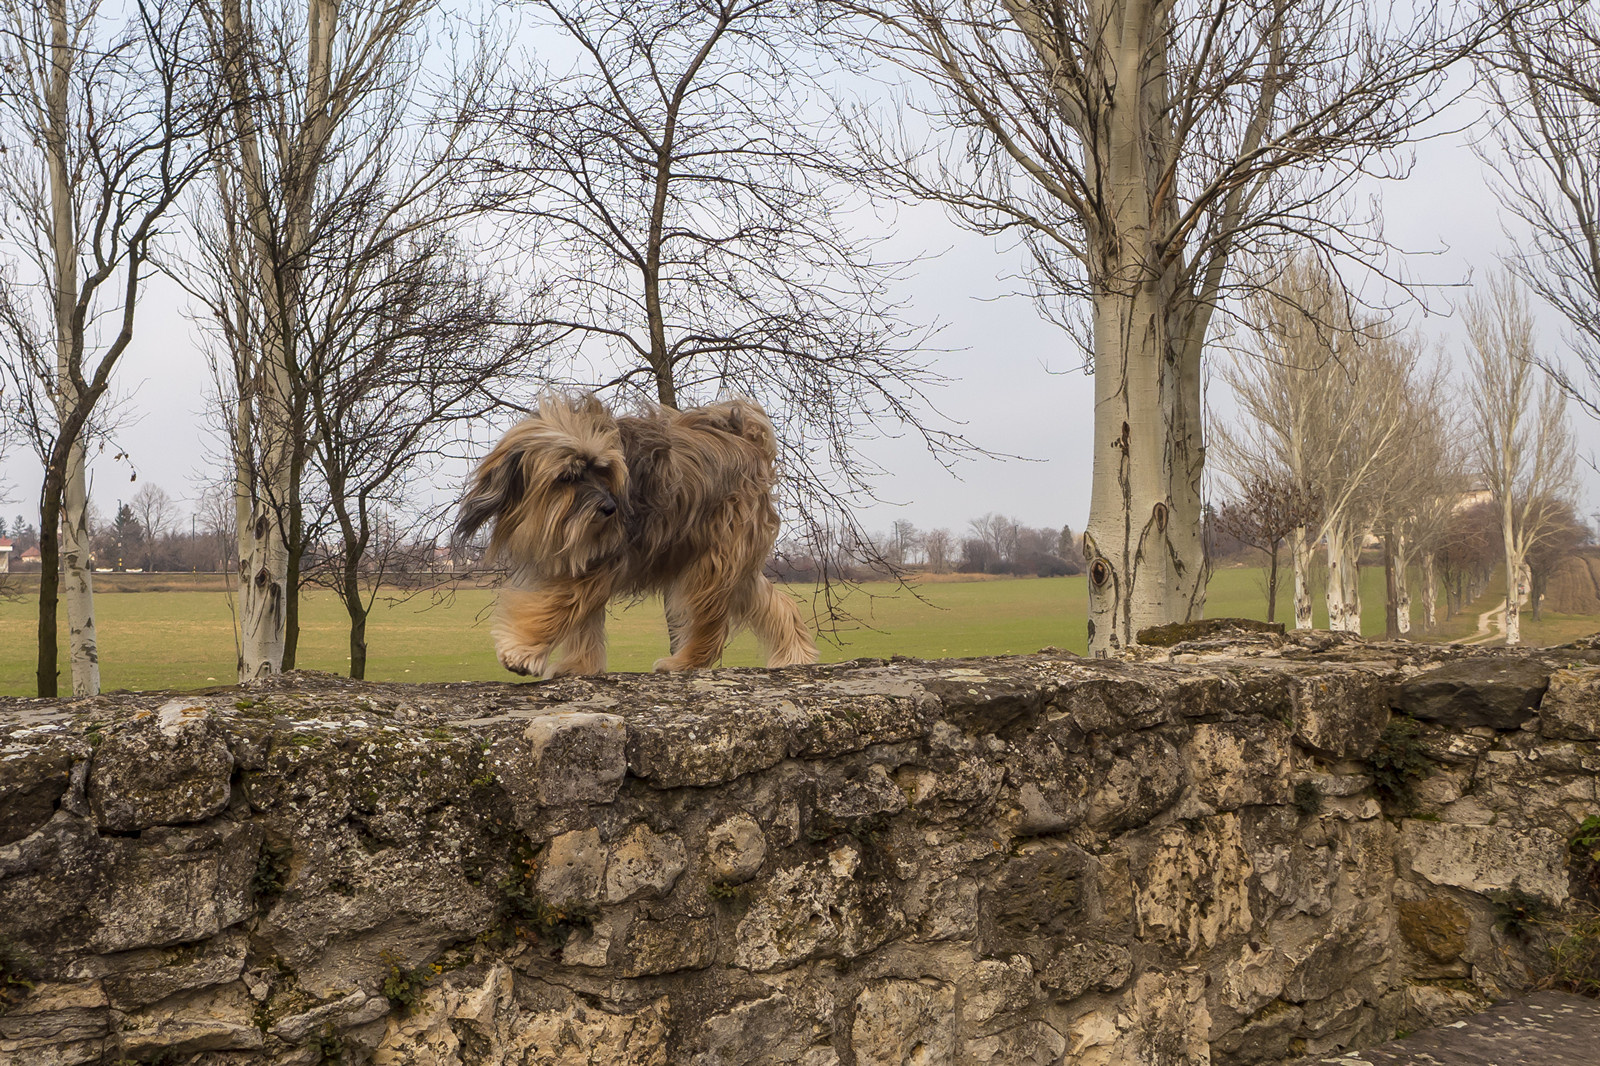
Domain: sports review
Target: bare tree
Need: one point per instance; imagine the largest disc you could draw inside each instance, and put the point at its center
(404, 348)
(315, 91)
(1158, 158)
(1544, 143)
(1545, 557)
(103, 122)
(937, 545)
(1266, 510)
(690, 208)
(1521, 441)
(1323, 397)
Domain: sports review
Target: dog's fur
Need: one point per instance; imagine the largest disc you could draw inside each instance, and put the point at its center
(587, 505)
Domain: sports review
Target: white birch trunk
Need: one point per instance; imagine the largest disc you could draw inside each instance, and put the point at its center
(78, 578)
(1301, 540)
(1344, 588)
(1143, 540)
(1402, 587)
(1430, 595)
(1514, 591)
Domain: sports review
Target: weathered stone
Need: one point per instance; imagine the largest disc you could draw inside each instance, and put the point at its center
(1035, 896)
(144, 977)
(815, 909)
(1136, 778)
(1086, 965)
(861, 795)
(997, 986)
(1431, 1005)
(1486, 858)
(699, 750)
(572, 868)
(1033, 1044)
(32, 784)
(1194, 890)
(1436, 926)
(65, 1017)
(666, 946)
(218, 1020)
(735, 849)
(1166, 636)
(576, 757)
(1235, 764)
(176, 886)
(1499, 693)
(1339, 714)
(164, 768)
(357, 1008)
(643, 865)
(1571, 709)
(747, 1033)
(902, 1022)
(1162, 1020)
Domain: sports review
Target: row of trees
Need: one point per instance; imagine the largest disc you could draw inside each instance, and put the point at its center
(1346, 434)
(992, 544)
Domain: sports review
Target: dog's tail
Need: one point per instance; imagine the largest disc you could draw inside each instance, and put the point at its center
(743, 417)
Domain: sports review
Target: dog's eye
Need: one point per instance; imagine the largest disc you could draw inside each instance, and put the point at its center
(567, 478)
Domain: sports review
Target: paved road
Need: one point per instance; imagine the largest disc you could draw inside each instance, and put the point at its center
(1544, 1029)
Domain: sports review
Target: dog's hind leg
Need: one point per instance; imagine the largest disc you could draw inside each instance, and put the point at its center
(530, 622)
(677, 613)
(775, 619)
(706, 604)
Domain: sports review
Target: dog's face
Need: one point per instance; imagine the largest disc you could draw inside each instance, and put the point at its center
(554, 488)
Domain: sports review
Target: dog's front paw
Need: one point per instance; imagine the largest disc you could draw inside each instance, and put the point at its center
(669, 665)
(528, 661)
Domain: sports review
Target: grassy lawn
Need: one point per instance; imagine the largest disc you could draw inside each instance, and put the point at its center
(182, 636)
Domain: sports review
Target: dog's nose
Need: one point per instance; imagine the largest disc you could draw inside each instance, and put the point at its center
(608, 507)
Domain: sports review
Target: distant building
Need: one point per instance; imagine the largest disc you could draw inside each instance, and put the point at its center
(30, 557)
(5, 555)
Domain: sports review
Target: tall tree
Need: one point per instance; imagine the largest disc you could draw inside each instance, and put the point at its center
(690, 205)
(1158, 158)
(103, 119)
(312, 89)
(1521, 440)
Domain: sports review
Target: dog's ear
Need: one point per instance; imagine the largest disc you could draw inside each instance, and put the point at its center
(497, 484)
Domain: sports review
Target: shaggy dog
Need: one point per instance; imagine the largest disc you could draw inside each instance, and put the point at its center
(587, 505)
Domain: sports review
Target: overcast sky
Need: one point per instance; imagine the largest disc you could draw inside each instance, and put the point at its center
(1015, 383)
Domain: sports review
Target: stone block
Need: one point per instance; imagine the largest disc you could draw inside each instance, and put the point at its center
(572, 868)
(1338, 713)
(1500, 693)
(1571, 708)
(1487, 858)
(1242, 763)
(818, 908)
(1135, 778)
(576, 757)
(1032, 1044)
(643, 865)
(735, 849)
(32, 784)
(1437, 927)
(185, 885)
(168, 767)
(902, 1022)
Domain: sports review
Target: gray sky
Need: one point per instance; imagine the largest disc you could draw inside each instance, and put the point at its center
(1015, 384)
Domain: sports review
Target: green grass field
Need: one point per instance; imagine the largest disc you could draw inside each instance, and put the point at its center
(182, 637)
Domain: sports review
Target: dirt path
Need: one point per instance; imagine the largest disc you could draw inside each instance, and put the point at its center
(1491, 624)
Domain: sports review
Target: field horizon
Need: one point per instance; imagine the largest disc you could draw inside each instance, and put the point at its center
(175, 631)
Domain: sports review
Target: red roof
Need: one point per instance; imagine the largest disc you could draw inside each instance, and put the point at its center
(5, 543)
(31, 553)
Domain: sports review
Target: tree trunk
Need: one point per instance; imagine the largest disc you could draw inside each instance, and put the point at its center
(82, 649)
(1272, 584)
(1344, 588)
(1302, 578)
(1514, 592)
(1391, 591)
(1402, 585)
(1430, 596)
(1143, 543)
(356, 608)
(47, 671)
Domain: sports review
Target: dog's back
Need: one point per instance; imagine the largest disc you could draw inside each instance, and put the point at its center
(686, 471)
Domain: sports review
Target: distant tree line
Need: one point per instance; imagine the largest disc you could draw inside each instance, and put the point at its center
(992, 544)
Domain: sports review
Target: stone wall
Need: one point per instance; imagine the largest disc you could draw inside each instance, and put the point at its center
(1030, 860)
